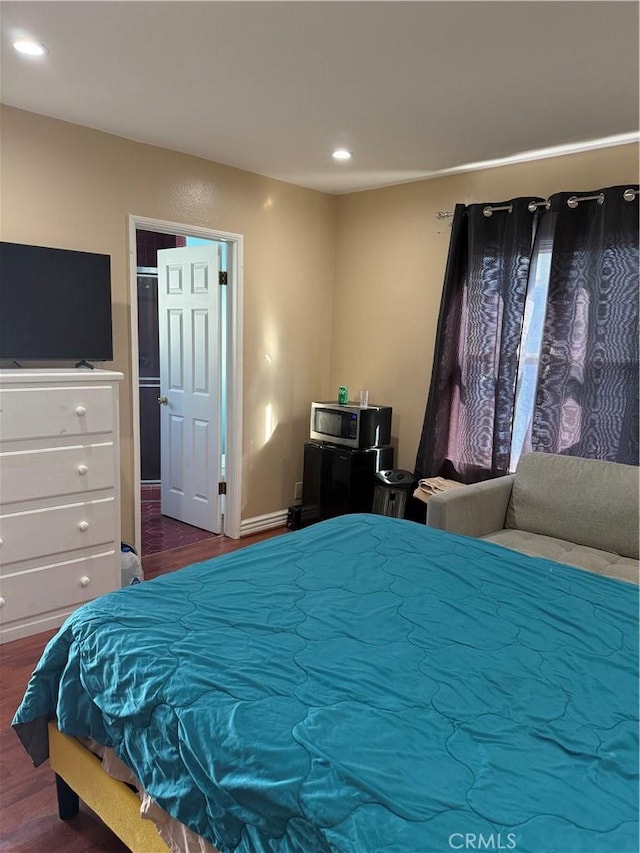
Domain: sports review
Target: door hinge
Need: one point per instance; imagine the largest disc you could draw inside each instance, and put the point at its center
(222, 278)
(222, 488)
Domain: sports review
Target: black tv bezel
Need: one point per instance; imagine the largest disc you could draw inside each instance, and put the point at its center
(84, 356)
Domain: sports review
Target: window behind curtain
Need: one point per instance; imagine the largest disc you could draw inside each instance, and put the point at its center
(531, 343)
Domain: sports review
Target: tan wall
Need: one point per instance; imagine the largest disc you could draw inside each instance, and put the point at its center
(71, 187)
(390, 262)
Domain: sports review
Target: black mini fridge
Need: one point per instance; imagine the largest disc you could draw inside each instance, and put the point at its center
(339, 480)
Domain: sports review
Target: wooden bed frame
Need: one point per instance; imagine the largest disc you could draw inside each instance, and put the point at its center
(79, 776)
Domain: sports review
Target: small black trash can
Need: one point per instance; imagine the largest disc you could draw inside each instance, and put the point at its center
(392, 492)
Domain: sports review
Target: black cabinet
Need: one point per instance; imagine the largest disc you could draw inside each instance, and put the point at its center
(338, 480)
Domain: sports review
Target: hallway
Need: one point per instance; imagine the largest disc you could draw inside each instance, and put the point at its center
(161, 533)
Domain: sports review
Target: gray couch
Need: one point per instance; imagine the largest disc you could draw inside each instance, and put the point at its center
(583, 512)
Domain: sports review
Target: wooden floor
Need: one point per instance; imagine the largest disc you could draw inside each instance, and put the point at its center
(29, 820)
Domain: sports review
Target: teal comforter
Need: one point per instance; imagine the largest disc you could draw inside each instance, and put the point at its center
(365, 684)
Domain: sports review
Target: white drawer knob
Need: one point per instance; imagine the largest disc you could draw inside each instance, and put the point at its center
(2, 601)
(82, 469)
(85, 581)
(83, 525)
(81, 410)
(1, 543)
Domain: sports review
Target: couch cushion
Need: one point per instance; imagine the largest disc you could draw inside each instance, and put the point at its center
(601, 562)
(586, 501)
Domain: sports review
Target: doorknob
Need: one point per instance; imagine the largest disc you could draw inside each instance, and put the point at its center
(164, 401)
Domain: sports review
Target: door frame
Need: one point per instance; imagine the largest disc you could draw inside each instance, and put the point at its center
(233, 447)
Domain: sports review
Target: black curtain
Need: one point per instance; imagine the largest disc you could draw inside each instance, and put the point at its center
(587, 398)
(446, 371)
(586, 402)
(468, 421)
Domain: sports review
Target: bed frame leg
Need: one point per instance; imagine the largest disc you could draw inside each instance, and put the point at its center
(68, 800)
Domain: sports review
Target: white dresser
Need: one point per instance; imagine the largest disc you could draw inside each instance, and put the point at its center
(59, 494)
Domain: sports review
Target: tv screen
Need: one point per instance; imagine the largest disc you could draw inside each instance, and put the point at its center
(55, 304)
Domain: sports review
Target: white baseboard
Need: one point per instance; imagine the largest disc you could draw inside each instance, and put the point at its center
(258, 523)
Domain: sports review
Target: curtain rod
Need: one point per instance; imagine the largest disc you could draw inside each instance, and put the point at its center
(573, 201)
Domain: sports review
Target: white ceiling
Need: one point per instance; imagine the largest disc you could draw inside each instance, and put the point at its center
(412, 88)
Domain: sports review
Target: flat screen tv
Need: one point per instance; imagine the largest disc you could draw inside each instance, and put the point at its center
(55, 304)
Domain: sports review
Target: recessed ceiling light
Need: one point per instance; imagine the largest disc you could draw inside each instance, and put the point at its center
(341, 154)
(30, 48)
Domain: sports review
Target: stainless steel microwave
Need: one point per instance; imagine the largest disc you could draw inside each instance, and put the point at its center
(350, 425)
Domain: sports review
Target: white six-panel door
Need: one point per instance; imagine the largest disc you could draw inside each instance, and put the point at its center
(188, 301)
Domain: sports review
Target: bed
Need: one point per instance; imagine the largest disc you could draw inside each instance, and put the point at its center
(363, 684)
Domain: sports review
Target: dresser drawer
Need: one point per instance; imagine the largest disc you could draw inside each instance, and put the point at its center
(26, 535)
(47, 412)
(57, 585)
(60, 471)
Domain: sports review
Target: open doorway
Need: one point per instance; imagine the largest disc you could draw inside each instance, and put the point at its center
(182, 498)
(181, 324)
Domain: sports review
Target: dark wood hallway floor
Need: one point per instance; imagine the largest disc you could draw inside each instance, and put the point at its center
(29, 820)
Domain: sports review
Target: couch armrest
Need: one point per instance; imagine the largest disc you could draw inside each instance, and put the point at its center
(474, 510)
